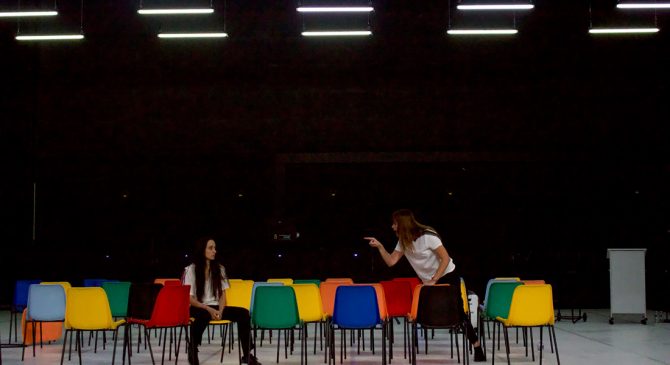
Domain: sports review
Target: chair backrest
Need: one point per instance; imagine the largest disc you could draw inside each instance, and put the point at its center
(356, 307)
(495, 280)
(500, 298)
(328, 290)
(381, 299)
(341, 280)
(533, 282)
(87, 309)
(310, 306)
(65, 284)
(532, 305)
(253, 292)
(275, 307)
(141, 299)
(438, 306)
(285, 281)
(96, 282)
(239, 294)
(464, 297)
(416, 293)
(20, 299)
(46, 302)
(398, 297)
(117, 294)
(172, 307)
(316, 282)
(169, 281)
(413, 281)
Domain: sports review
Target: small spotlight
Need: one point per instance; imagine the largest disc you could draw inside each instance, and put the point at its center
(186, 256)
(107, 256)
(239, 195)
(355, 254)
(279, 255)
(450, 193)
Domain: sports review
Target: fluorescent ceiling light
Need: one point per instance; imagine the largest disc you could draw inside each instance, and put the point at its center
(622, 30)
(337, 33)
(481, 31)
(175, 11)
(332, 9)
(19, 14)
(51, 37)
(193, 35)
(644, 6)
(497, 7)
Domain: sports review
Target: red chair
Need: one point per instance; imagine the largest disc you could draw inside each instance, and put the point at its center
(171, 310)
(398, 294)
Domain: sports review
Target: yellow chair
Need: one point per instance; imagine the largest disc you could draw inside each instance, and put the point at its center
(310, 308)
(532, 306)
(87, 309)
(285, 281)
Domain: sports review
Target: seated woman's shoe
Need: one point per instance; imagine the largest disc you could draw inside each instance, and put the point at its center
(479, 354)
(251, 360)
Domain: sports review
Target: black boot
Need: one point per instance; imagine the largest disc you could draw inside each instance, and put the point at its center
(250, 360)
(479, 354)
(193, 356)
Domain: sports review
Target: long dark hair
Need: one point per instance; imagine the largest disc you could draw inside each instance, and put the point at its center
(409, 229)
(200, 262)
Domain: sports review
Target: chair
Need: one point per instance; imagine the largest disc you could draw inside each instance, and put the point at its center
(141, 300)
(88, 309)
(46, 303)
(437, 308)
(496, 304)
(19, 303)
(532, 306)
(355, 307)
(95, 282)
(310, 308)
(316, 282)
(167, 281)
(340, 280)
(117, 294)
(171, 310)
(237, 295)
(275, 307)
(256, 285)
(65, 284)
(285, 281)
(398, 295)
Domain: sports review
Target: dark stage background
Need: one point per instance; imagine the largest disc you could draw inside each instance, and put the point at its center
(531, 155)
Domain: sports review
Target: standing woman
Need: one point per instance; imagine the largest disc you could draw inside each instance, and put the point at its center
(424, 250)
(207, 278)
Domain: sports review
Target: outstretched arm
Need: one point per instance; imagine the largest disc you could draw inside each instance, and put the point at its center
(389, 258)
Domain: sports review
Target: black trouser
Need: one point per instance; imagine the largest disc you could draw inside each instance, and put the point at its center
(453, 279)
(233, 314)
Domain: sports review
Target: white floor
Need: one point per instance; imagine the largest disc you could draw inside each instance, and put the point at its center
(592, 342)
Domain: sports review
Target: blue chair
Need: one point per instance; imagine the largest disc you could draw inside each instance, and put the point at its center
(19, 303)
(88, 283)
(355, 307)
(46, 303)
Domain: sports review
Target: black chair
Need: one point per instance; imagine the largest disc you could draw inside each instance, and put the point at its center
(438, 309)
(141, 300)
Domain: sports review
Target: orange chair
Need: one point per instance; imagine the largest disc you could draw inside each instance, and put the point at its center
(341, 280)
(167, 281)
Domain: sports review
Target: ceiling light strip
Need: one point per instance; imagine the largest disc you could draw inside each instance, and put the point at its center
(482, 31)
(622, 30)
(21, 14)
(175, 11)
(337, 33)
(333, 9)
(49, 37)
(496, 7)
(193, 35)
(644, 6)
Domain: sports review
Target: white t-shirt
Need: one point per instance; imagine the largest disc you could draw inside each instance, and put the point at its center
(422, 258)
(208, 297)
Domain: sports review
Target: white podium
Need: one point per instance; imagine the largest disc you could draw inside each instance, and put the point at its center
(627, 282)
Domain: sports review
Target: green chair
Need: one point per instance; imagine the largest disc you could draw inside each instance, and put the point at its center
(117, 293)
(316, 282)
(276, 307)
(497, 304)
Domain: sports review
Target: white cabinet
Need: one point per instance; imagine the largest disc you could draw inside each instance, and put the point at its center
(627, 282)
